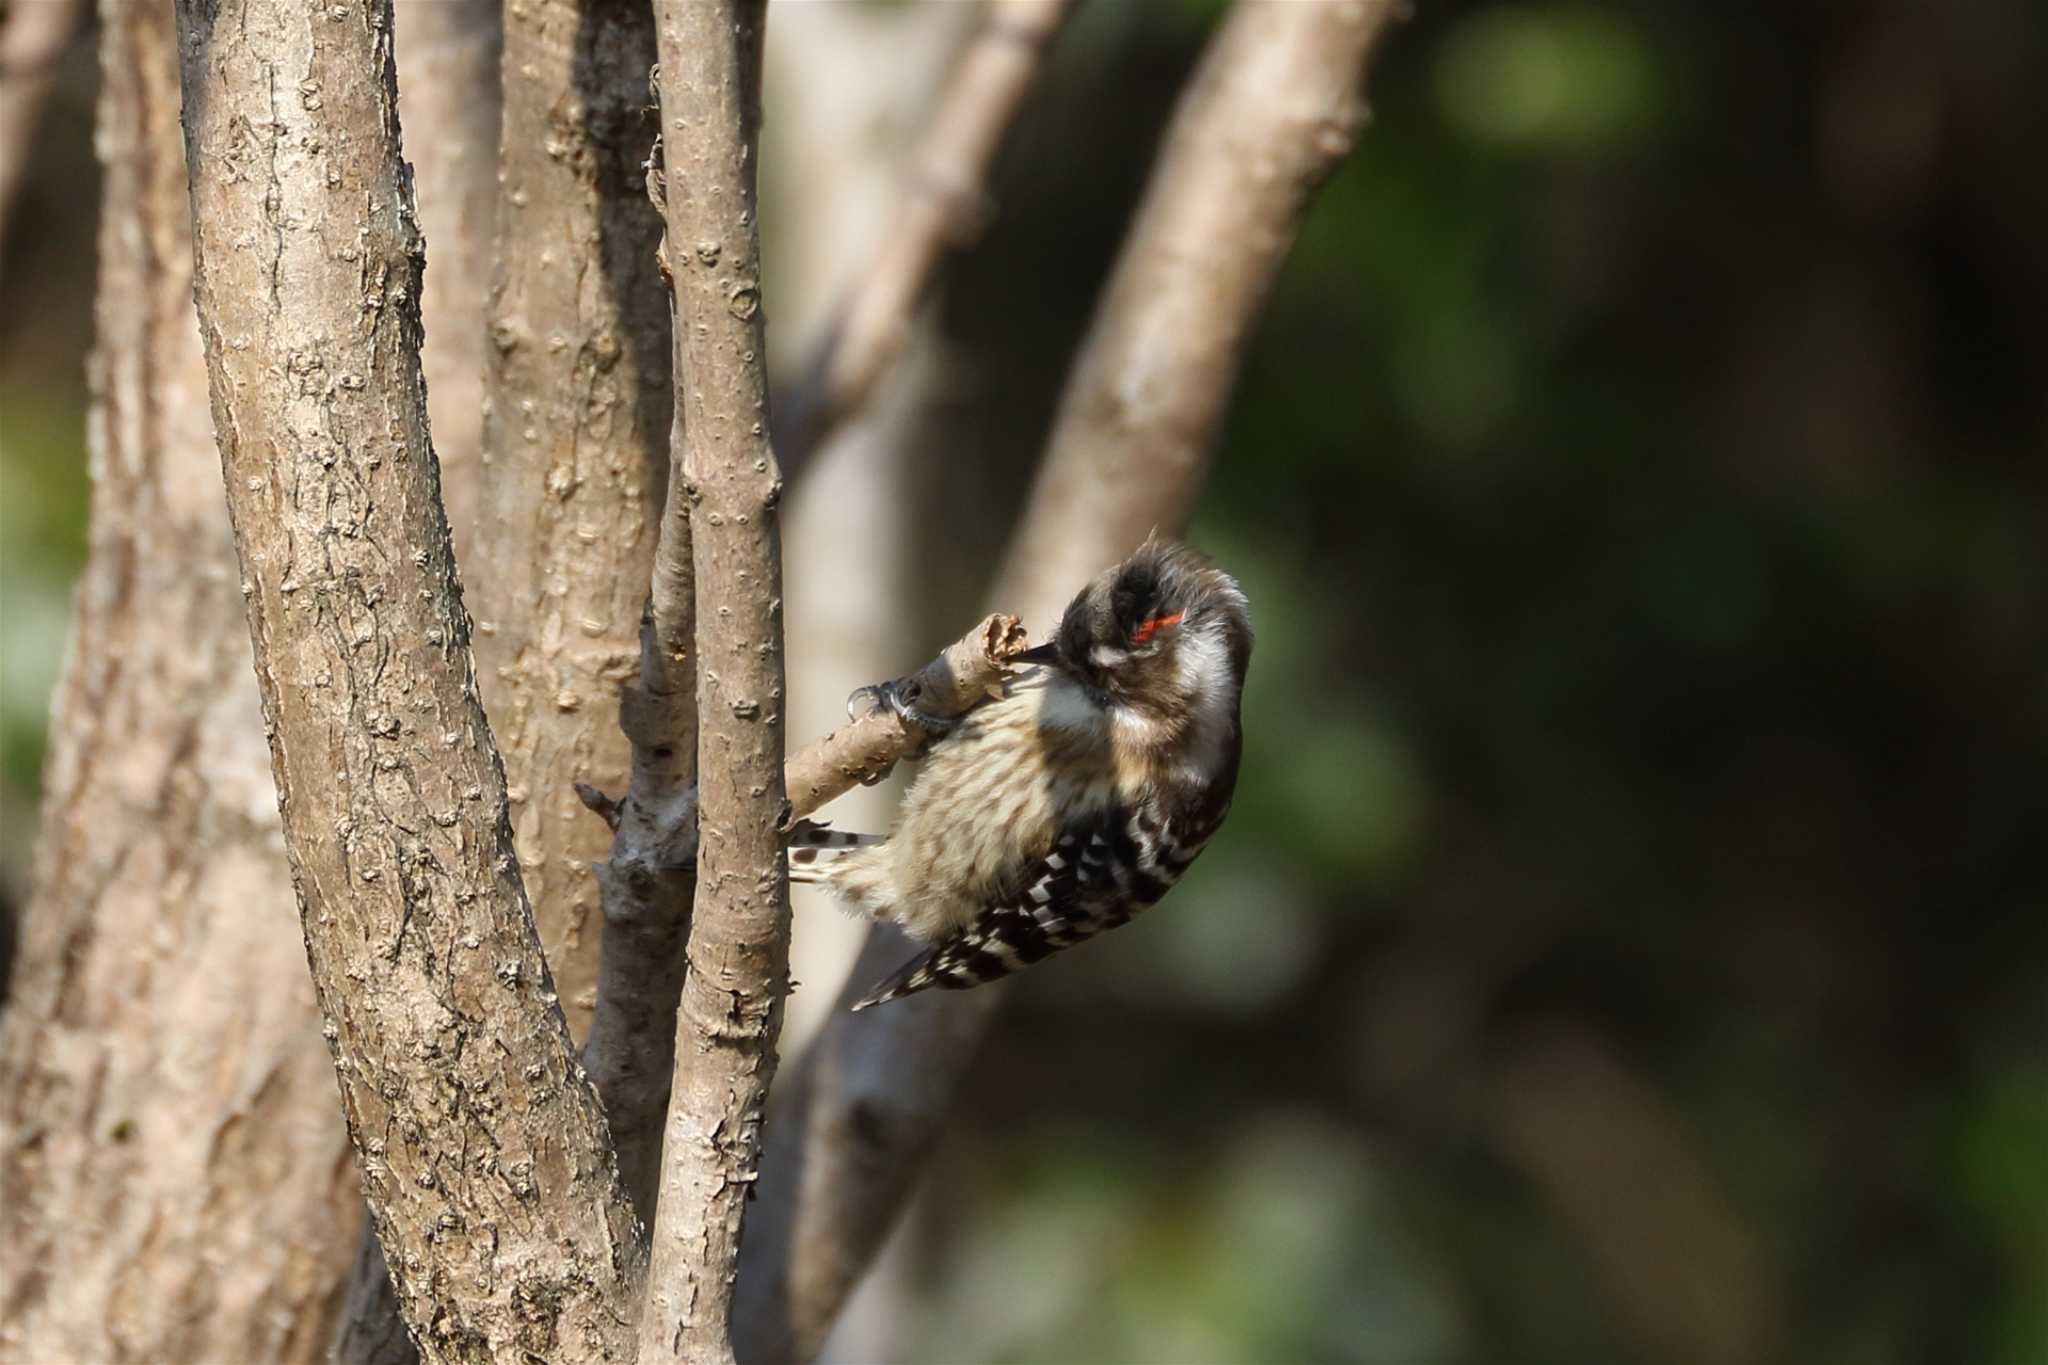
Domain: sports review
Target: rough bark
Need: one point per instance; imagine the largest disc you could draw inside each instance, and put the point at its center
(575, 445)
(177, 1184)
(484, 1153)
(739, 934)
(448, 54)
(944, 206)
(1273, 107)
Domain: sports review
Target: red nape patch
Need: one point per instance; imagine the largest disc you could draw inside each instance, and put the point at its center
(1154, 626)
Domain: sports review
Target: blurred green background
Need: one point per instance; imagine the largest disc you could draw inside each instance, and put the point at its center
(1629, 941)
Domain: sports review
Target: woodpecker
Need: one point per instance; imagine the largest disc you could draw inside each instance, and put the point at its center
(1073, 801)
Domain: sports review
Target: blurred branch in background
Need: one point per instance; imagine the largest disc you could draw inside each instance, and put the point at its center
(1273, 106)
(1680, 1268)
(945, 205)
(34, 35)
(850, 89)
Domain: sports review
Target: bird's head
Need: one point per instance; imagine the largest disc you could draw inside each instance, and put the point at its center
(1164, 634)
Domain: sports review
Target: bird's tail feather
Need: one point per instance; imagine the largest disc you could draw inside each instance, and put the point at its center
(813, 848)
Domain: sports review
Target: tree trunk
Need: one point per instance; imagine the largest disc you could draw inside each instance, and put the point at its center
(177, 1181)
(485, 1156)
(575, 444)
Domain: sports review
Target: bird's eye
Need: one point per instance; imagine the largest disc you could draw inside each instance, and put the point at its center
(1146, 630)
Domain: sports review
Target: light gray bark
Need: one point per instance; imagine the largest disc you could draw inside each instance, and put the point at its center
(484, 1153)
(175, 1183)
(1272, 109)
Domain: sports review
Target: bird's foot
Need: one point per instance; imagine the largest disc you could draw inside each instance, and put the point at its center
(900, 701)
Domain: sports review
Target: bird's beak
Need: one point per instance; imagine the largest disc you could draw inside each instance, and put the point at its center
(1041, 654)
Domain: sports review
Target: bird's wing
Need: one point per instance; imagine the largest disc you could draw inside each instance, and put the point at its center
(1099, 872)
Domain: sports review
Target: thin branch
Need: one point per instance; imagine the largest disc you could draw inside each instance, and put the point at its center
(709, 85)
(440, 1013)
(965, 672)
(945, 207)
(1272, 109)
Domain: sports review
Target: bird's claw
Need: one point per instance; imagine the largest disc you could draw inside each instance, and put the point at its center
(889, 696)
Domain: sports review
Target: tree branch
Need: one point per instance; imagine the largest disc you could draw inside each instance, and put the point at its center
(945, 207)
(710, 86)
(965, 672)
(440, 1012)
(650, 877)
(175, 1179)
(651, 872)
(1273, 107)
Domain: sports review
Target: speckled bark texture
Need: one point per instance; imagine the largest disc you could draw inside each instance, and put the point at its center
(175, 1180)
(575, 444)
(739, 936)
(1273, 107)
(485, 1158)
(448, 54)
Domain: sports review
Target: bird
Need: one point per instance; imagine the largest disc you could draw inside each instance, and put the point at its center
(1074, 800)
